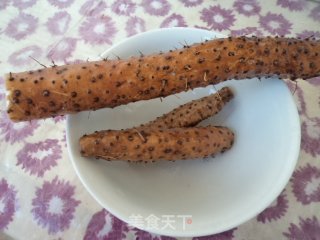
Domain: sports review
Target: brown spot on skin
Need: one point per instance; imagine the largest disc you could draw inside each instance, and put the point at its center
(52, 104)
(201, 60)
(53, 81)
(78, 77)
(73, 94)
(35, 81)
(165, 67)
(16, 100)
(29, 101)
(167, 150)
(230, 54)
(100, 76)
(21, 79)
(46, 93)
(27, 113)
(17, 93)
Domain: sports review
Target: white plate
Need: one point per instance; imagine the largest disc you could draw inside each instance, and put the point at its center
(218, 193)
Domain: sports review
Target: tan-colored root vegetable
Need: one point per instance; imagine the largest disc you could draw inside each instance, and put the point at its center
(191, 113)
(157, 144)
(92, 85)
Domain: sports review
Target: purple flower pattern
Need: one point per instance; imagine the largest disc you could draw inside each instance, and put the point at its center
(62, 50)
(156, 7)
(228, 235)
(246, 31)
(98, 30)
(105, 226)
(37, 158)
(92, 8)
(22, 57)
(275, 24)
(4, 4)
(247, 7)
(135, 25)
(308, 229)
(140, 234)
(191, 3)
(59, 23)
(274, 212)
(306, 184)
(174, 20)
(15, 132)
(293, 5)
(315, 13)
(218, 18)
(61, 3)
(23, 4)
(123, 7)
(309, 34)
(310, 130)
(54, 205)
(7, 202)
(21, 26)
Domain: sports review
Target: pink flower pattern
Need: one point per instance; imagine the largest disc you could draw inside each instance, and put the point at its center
(37, 158)
(315, 14)
(61, 3)
(22, 57)
(92, 8)
(62, 50)
(135, 25)
(59, 23)
(98, 30)
(143, 235)
(306, 184)
(103, 225)
(191, 3)
(54, 205)
(247, 7)
(275, 24)
(228, 235)
(309, 34)
(8, 201)
(23, 4)
(308, 229)
(16, 132)
(4, 4)
(218, 18)
(123, 7)
(277, 210)
(21, 26)
(174, 20)
(246, 31)
(310, 130)
(293, 5)
(156, 7)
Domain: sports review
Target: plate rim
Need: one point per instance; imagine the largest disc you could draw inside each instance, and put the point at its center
(202, 232)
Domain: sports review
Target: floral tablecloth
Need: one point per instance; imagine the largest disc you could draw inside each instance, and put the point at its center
(40, 195)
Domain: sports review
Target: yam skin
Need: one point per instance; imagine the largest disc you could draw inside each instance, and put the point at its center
(157, 144)
(66, 89)
(190, 114)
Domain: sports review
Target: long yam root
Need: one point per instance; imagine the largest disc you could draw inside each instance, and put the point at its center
(92, 85)
(157, 144)
(190, 114)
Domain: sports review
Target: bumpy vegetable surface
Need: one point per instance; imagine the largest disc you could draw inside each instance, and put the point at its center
(92, 85)
(190, 114)
(157, 144)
